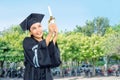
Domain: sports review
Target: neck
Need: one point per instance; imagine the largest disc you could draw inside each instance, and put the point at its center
(38, 39)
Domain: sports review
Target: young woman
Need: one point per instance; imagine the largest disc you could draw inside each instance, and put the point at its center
(40, 54)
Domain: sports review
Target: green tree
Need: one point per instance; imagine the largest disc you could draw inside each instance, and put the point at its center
(13, 38)
(116, 28)
(101, 24)
(98, 25)
(3, 51)
(111, 43)
(91, 49)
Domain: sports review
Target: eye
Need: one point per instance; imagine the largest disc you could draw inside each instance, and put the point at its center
(33, 28)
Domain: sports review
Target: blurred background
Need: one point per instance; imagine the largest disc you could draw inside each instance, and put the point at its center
(89, 36)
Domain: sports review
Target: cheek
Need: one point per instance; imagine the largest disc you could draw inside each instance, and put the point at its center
(33, 32)
(41, 29)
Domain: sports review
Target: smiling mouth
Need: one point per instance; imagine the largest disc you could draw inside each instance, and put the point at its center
(39, 33)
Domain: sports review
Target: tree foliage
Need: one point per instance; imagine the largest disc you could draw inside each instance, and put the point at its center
(11, 41)
(98, 25)
(86, 43)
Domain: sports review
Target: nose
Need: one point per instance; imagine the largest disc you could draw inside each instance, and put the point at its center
(39, 29)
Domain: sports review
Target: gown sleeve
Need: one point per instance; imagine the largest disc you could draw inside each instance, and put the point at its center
(36, 54)
(54, 53)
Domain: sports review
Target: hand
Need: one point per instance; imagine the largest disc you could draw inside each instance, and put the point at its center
(55, 31)
(51, 18)
(53, 28)
(55, 35)
(52, 35)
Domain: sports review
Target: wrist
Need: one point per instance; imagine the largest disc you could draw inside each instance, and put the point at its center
(50, 33)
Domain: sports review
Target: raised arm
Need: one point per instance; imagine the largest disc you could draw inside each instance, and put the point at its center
(55, 35)
(52, 34)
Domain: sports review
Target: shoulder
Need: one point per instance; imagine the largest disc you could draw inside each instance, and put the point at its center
(27, 40)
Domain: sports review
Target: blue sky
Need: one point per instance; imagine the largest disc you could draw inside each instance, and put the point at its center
(68, 13)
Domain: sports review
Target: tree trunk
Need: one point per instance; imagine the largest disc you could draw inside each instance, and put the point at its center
(1, 64)
(78, 63)
(106, 65)
(93, 61)
(1, 68)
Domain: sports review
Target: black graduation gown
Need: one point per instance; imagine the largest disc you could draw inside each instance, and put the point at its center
(37, 59)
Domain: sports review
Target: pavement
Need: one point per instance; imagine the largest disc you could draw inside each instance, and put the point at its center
(92, 78)
(75, 78)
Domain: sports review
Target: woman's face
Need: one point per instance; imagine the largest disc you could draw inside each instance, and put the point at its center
(36, 30)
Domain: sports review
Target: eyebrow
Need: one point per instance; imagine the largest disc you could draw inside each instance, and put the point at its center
(40, 25)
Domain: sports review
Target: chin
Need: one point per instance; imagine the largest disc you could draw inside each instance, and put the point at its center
(39, 36)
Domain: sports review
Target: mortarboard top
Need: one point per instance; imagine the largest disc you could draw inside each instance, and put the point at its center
(31, 19)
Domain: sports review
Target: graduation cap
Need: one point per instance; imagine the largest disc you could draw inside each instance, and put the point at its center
(31, 19)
